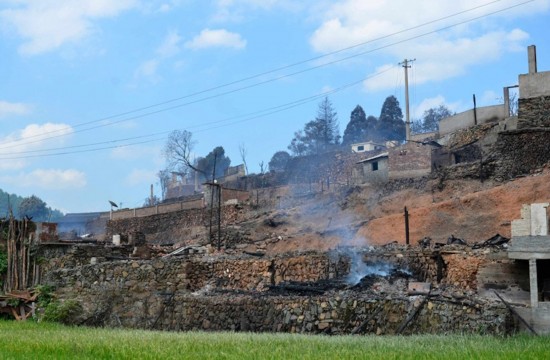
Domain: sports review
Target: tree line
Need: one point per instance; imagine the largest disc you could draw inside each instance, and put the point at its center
(320, 135)
(31, 207)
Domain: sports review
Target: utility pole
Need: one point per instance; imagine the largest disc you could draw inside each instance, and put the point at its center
(406, 65)
(407, 236)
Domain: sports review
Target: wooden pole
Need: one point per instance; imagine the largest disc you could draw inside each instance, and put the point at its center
(219, 217)
(406, 226)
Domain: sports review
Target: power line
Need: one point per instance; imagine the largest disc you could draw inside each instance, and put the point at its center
(276, 70)
(247, 117)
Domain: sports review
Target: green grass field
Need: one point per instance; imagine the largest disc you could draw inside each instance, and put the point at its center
(52, 341)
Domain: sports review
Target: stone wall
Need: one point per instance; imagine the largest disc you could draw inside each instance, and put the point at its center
(179, 295)
(233, 293)
(185, 226)
(519, 152)
(193, 203)
(534, 112)
(300, 314)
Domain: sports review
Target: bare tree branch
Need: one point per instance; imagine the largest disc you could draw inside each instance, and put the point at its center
(178, 151)
(243, 152)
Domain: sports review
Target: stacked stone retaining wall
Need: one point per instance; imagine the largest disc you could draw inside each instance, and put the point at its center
(231, 293)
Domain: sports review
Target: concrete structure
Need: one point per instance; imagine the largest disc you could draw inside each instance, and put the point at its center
(372, 170)
(467, 118)
(530, 242)
(366, 146)
(534, 84)
(179, 185)
(534, 96)
(233, 172)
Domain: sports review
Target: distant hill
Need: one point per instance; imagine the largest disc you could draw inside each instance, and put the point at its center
(12, 200)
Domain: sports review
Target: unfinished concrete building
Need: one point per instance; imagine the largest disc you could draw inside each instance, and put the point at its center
(531, 242)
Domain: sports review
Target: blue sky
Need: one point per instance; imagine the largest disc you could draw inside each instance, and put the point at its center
(91, 88)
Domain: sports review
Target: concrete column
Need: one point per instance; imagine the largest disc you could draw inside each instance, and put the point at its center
(532, 56)
(534, 288)
(539, 219)
(506, 95)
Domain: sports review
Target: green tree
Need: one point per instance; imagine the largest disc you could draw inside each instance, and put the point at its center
(319, 135)
(33, 207)
(432, 117)
(390, 123)
(278, 161)
(360, 127)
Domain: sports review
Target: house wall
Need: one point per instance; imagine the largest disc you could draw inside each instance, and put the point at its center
(367, 146)
(232, 173)
(410, 160)
(363, 172)
(466, 119)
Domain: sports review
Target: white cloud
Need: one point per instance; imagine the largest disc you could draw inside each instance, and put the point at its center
(418, 111)
(490, 97)
(170, 46)
(238, 10)
(7, 109)
(46, 25)
(141, 176)
(216, 38)
(136, 152)
(439, 58)
(148, 69)
(441, 54)
(326, 89)
(49, 179)
(15, 147)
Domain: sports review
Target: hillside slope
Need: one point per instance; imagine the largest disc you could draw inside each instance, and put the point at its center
(467, 209)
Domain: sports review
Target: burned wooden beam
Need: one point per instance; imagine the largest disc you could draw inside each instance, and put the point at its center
(513, 311)
(367, 320)
(411, 316)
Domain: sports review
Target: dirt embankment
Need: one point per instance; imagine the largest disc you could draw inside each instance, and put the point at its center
(467, 209)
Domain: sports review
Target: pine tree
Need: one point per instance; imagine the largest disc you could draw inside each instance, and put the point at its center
(360, 128)
(390, 123)
(319, 135)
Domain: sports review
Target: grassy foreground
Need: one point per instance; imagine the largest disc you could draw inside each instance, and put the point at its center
(52, 341)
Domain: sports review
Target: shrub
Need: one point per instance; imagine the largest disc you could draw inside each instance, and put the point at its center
(62, 312)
